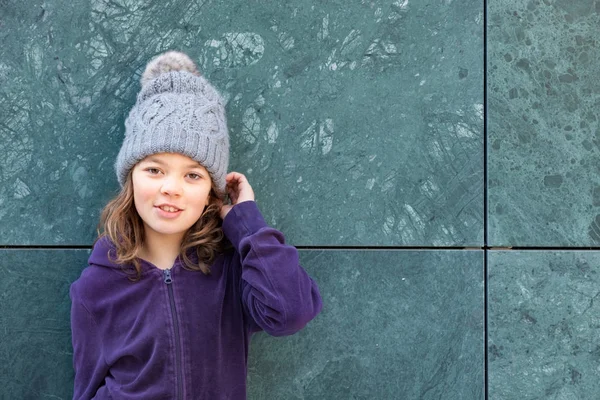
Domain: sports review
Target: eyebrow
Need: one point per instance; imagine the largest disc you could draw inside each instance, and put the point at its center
(158, 161)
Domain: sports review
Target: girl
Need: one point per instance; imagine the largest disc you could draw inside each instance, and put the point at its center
(178, 281)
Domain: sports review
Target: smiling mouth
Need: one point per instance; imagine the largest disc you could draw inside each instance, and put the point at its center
(169, 208)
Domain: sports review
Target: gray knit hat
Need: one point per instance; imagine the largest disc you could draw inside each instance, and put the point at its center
(177, 111)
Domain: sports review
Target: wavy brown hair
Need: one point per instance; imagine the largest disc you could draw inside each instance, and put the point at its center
(122, 224)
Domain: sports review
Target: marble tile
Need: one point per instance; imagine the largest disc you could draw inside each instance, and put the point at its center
(35, 341)
(544, 324)
(357, 123)
(395, 325)
(543, 132)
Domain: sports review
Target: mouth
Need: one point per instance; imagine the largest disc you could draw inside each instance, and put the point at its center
(168, 208)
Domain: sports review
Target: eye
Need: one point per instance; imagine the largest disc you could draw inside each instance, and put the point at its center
(152, 171)
(194, 176)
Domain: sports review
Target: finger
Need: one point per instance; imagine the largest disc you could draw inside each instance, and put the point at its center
(235, 183)
(233, 195)
(232, 186)
(235, 176)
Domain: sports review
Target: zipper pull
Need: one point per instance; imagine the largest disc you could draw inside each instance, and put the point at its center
(167, 274)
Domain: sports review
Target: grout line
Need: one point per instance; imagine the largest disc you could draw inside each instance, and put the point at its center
(486, 248)
(44, 247)
(538, 248)
(485, 130)
(485, 326)
(365, 248)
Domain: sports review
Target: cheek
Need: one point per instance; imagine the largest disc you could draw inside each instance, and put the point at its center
(142, 193)
(200, 197)
(138, 202)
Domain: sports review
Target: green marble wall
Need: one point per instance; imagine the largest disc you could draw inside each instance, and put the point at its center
(358, 124)
(543, 135)
(395, 325)
(365, 119)
(375, 336)
(35, 351)
(544, 324)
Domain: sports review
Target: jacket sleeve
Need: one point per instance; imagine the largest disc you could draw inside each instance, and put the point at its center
(277, 293)
(88, 360)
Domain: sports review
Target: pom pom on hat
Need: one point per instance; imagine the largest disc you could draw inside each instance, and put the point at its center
(167, 62)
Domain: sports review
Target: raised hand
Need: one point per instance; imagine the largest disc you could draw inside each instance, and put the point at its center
(238, 189)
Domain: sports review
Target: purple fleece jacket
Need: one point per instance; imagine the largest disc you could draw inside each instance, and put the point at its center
(180, 334)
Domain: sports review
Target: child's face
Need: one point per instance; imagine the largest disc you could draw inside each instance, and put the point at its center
(170, 192)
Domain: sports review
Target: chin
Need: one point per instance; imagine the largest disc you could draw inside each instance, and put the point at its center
(169, 231)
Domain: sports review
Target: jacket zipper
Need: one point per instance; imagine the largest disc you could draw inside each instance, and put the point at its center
(169, 281)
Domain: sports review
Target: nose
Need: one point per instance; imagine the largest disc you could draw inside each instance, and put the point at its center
(171, 186)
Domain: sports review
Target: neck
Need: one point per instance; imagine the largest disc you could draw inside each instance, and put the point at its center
(161, 250)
